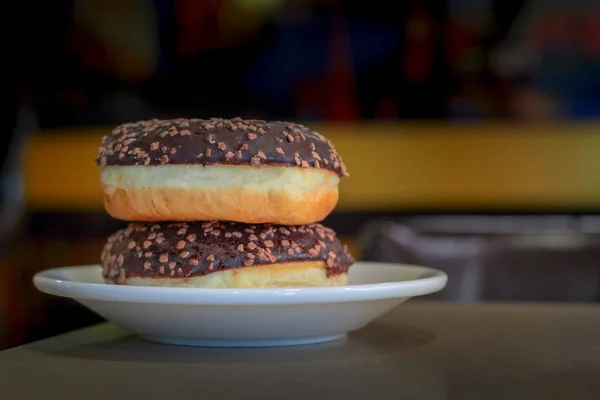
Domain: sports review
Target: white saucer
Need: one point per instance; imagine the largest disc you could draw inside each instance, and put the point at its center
(245, 317)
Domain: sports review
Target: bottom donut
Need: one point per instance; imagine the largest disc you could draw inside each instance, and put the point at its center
(305, 274)
(225, 255)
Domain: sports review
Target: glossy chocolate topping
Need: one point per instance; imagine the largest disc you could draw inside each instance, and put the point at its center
(183, 250)
(218, 141)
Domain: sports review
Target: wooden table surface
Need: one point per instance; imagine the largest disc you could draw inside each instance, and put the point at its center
(420, 350)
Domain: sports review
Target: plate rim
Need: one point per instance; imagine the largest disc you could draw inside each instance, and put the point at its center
(434, 281)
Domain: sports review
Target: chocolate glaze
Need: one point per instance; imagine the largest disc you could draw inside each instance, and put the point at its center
(218, 141)
(183, 250)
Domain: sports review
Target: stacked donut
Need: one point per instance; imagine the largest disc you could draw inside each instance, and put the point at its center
(221, 203)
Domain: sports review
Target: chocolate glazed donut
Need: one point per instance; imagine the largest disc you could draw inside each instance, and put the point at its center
(233, 170)
(218, 254)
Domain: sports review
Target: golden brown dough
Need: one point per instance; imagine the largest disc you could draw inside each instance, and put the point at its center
(281, 195)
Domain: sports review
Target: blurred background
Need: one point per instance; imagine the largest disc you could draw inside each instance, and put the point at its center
(470, 129)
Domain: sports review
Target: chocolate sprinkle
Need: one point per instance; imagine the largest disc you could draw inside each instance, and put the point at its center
(267, 143)
(209, 253)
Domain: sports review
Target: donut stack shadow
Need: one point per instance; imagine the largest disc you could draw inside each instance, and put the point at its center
(221, 203)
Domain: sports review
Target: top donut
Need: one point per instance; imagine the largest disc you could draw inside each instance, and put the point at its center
(218, 141)
(248, 171)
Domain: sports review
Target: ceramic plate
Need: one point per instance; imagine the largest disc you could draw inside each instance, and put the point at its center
(245, 317)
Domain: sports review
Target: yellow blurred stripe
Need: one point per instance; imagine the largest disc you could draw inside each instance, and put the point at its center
(392, 166)
(60, 170)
